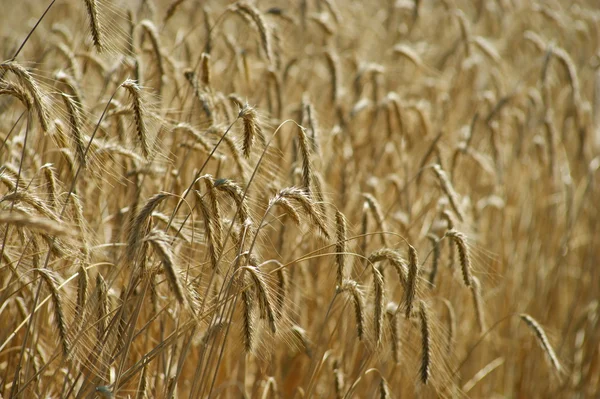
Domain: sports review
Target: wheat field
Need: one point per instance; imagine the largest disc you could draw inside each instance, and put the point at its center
(300, 199)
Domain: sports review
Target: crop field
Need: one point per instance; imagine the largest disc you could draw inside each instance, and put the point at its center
(300, 199)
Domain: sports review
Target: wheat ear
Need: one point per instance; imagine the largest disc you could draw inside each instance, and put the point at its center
(425, 370)
(542, 339)
(252, 128)
(209, 224)
(92, 11)
(375, 208)
(395, 259)
(30, 84)
(42, 225)
(448, 189)
(287, 208)
(160, 243)
(249, 328)
(139, 115)
(257, 18)
(76, 128)
(358, 300)
(235, 192)
(413, 276)
(50, 177)
(59, 316)
(378, 287)
(82, 295)
(307, 168)
(151, 30)
(463, 254)
(19, 92)
(102, 305)
(340, 247)
(139, 226)
(264, 300)
(301, 197)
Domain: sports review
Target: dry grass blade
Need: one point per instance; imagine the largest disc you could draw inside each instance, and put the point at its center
(50, 177)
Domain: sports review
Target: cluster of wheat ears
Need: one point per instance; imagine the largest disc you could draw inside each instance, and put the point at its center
(293, 199)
